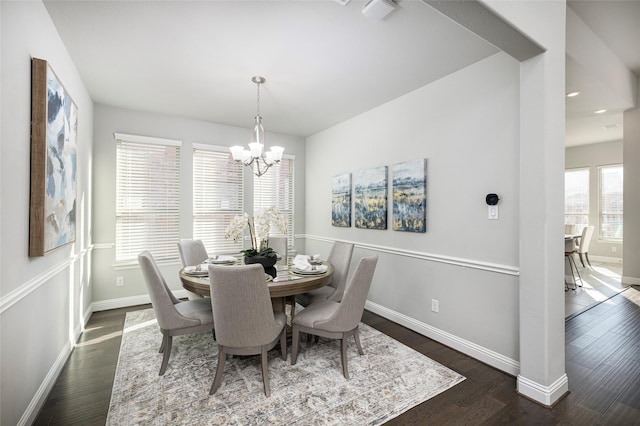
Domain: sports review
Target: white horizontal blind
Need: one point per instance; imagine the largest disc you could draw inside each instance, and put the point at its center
(576, 198)
(611, 202)
(276, 189)
(147, 197)
(217, 197)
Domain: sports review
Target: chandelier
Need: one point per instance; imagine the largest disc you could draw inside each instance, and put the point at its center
(256, 157)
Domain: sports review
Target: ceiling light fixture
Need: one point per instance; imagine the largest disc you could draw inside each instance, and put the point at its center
(378, 9)
(573, 94)
(599, 111)
(255, 157)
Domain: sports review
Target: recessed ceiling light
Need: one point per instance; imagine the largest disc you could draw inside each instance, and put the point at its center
(599, 111)
(573, 94)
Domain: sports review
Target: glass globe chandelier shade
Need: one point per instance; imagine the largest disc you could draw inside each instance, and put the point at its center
(256, 157)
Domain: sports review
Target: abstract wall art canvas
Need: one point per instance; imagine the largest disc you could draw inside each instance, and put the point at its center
(409, 184)
(341, 200)
(54, 121)
(370, 190)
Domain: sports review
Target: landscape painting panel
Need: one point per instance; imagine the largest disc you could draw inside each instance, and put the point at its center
(370, 187)
(341, 200)
(410, 196)
(54, 156)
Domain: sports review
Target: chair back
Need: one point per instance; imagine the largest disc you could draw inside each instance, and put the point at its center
(340, 259)
(585, 240)
(349, 313)
(242, 309)
(162, 299)
(192, 252)
(279, 244)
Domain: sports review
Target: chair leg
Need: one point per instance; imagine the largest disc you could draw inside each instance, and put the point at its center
(217, 381)
(283, 343)
(166, 347)
(265, 371)
(343, 351)
(356, 336)
(586, 255)
(581, 261)
(295, 337)
(577, 272)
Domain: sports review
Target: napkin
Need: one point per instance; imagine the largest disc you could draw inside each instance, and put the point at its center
(302, 262)
(223, 258)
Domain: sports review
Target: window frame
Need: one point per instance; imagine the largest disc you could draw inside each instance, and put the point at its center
(601, 224)
(586, 212)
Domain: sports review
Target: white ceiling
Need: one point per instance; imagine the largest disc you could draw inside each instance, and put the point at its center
(324, 63)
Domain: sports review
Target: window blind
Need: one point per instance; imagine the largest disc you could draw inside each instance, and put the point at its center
(147, 197)
(611, 202)
(576, 198)
(217, 197)
(276, 189)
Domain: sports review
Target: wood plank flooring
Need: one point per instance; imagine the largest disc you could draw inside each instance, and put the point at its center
(602, 362)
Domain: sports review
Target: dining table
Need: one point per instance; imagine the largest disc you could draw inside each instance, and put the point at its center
(287, 283)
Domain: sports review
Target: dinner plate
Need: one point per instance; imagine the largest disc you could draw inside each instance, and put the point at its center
(191, 270)
(222, 260)
(309, 271)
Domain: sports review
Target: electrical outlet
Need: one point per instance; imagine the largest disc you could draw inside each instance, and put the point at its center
(435, 305)
(119, 281)
(614, 249)
(493, 212)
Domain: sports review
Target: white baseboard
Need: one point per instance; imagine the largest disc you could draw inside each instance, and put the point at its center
(31, 413)
(605, 259)
(630, 280)
(545, 395)
(492, 358)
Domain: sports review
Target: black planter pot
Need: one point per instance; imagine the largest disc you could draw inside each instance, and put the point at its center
(266, 262)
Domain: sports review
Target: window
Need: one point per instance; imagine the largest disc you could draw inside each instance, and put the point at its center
(275, 189)
(576, 198)
(147, 197)
(611, 197)
(217, 197)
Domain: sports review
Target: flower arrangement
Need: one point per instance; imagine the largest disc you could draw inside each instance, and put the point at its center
(259, 226)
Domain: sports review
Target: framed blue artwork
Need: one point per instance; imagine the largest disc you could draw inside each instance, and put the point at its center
(409, 185)
(341, 200)
(370, 191)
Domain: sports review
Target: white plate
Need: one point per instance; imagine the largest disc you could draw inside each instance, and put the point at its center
(191, 270)
(222, 260)
(309, 271)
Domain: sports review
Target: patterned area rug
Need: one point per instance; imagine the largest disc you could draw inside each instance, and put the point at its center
(386, 381)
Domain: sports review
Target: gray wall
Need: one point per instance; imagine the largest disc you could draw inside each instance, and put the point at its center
(466, 126)
(43, 300)
(109, 120)
(591, 156)
(631, 264)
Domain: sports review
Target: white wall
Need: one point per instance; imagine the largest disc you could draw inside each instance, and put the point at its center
(109, 120)
(631, 264)
(43, 300)
(467, 127)
(591, 157)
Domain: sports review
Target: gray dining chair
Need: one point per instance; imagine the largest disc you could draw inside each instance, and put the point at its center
(174, 317)
(340, 259)
(245, 321)
(337, 320)
(192, 252)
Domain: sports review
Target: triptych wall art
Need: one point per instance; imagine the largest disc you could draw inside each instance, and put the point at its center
(409, 196)
(54, 122)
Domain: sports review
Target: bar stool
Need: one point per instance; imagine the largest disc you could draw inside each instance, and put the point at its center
(573, 267)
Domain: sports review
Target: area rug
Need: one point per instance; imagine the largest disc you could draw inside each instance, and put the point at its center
(385, 382)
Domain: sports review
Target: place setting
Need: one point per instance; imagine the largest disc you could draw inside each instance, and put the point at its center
(308, 265)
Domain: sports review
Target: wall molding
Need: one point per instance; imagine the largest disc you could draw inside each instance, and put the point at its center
(492, 358)
(34, 283)
(431, 257)
(545, 395)
(124, 302)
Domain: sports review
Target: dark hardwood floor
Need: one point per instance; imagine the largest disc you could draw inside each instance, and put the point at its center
(602, 362)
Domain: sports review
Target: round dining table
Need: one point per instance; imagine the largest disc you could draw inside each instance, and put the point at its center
(287, 283)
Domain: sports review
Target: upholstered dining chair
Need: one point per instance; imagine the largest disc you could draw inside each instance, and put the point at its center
(340, 259)
(174, 317)
(585, 241)
(337, 320)
(245, 321)
(279, 244)
(192, 252)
